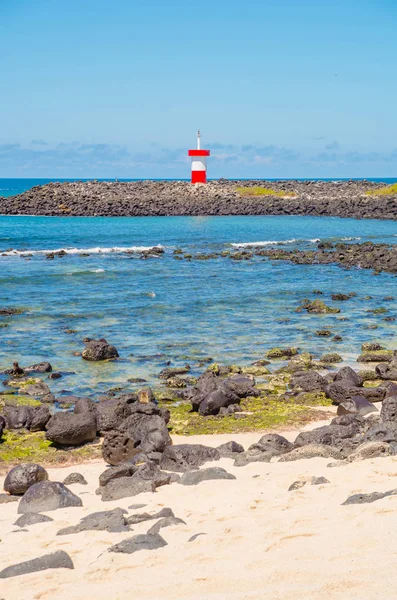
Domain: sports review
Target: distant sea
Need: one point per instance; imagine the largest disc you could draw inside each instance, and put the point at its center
(12, 187)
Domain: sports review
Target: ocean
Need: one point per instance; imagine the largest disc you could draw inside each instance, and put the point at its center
(163, 309)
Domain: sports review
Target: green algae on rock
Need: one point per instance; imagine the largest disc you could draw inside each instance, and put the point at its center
(317, 307)
(281, 353)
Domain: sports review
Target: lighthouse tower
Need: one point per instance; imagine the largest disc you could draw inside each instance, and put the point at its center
(199, 162)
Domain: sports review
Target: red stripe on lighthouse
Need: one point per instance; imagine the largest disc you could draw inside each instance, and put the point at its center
(199, 177)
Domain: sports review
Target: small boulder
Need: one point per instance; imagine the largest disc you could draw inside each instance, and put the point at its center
(68, 429)
(40, 415)
(371, 450)
(183, 457)
(124, 487)
(97, 350)
(356, 405)
(389, 409)
(139, 518)
(230, 449)
(22, 477)
(311, 451)
(195, 477)
(165, 522)
(55, 560)
(139, 542)
(32, 519)
(43, 367)
(107, 520)
(74, 478)
(47, 495)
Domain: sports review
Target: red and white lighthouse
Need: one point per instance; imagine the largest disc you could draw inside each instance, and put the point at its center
(199, 162)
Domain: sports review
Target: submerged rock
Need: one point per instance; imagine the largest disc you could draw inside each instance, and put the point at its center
(97, 350)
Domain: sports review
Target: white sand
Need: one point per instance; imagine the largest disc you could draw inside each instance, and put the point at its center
(261, 541)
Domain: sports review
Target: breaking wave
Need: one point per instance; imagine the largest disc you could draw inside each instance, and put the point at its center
(273, 243)
(97, 250)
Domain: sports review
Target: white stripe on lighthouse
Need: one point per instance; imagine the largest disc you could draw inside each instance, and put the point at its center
(199, 164)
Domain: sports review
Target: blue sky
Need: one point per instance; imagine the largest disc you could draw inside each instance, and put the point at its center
(118, 88)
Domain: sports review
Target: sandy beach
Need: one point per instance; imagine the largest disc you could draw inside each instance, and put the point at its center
(259, 539)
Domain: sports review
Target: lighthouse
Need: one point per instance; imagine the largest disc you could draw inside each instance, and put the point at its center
(199, 162)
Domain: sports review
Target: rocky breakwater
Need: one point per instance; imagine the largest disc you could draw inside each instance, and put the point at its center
(222, 197)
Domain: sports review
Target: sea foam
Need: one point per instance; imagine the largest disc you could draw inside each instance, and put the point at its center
(96, 250)
(273, 243)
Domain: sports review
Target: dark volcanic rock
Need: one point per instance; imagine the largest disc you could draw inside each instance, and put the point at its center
(123, 470)
(308, 381)
(44, 367)
(387, 371)
(22, 477)
(340, 391)
(17, 417)
(111, 413)
(356, 405)
(55, 560)
(389, 409)
(32, 519)
(147, 429)
(74, 478)
(347, 373)
(67, 429)
(195, 477)
(143, 431)
(139, 518)
(368, 498)
(97, 350)
(383, 432)
(104, 198)
(183, 457)
(165, 522)
(139, 542)
(6, 498)
(118, 447)
(276, 442)
(47, 495)
(230, 449)
(107, 520)
(123, 487)
(213, 393)
(311, 451)
(310, 480)
(40, 415)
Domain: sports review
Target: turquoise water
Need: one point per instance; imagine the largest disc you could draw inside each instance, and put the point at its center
(12, 187)
(162, 309)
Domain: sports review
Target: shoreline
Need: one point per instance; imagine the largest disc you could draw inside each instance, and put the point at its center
(216, 198)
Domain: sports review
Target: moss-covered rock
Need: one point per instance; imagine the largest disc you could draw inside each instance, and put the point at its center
(317, 307)
(331, 358)
(256, 371)
(301, 362)
(281, 353)
(376, 356)
(371, 347)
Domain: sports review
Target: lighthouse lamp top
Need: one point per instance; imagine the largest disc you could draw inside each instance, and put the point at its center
(199, 151)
